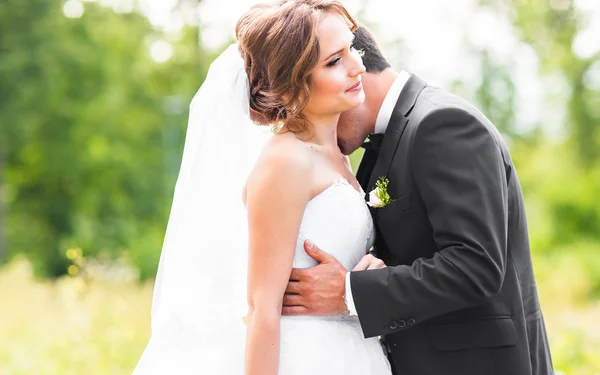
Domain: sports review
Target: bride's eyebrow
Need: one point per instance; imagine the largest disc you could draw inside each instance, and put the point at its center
(340, 50)
(333, 54)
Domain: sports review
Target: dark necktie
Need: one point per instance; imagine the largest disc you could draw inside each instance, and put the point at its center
(368, 160)
(374, 142)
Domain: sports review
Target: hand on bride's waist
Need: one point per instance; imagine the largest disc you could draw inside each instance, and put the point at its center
(320, 290)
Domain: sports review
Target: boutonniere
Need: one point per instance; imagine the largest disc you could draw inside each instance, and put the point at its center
(379, 197)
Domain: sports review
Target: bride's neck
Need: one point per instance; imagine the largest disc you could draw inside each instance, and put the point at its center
(322, 131)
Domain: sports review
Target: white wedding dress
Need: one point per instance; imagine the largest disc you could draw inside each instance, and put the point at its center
(338, 221)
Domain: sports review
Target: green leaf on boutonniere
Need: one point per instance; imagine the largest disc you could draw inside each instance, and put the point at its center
(382, 192)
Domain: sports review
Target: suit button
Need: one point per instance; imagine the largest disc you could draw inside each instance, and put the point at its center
(393, 325)
(401, 323)
(411, 321)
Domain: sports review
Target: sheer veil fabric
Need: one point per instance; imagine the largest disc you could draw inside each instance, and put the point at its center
(200, 291)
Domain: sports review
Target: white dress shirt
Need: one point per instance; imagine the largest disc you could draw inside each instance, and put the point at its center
(383, 119)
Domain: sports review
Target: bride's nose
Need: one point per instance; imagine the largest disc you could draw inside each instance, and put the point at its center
(357, 65)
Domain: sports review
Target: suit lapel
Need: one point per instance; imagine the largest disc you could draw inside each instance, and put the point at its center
(395, 130)
(388, 148)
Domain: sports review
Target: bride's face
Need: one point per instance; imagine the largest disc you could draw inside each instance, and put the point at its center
(336, 80)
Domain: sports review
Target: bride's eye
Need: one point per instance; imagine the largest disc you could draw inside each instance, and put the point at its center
(333, 62)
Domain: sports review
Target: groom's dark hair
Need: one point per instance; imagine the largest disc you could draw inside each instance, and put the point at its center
(373, 60)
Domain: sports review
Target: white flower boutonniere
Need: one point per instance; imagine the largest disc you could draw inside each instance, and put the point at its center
(379, 197)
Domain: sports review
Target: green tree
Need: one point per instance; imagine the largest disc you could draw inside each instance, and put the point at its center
(91, 131)
(551, 29)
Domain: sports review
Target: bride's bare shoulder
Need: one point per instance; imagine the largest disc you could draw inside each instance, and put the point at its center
(284, 161)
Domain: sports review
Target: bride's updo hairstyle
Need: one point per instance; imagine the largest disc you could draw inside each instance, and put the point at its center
(279, 45)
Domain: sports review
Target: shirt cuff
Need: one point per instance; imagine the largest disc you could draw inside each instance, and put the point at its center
(349, 298)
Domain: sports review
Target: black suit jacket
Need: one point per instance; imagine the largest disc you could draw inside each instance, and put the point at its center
(459, 294)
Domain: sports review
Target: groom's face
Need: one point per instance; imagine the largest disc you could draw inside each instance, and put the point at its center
(356, 124)
(352, 129)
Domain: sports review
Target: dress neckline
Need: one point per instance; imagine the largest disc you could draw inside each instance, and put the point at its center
(340, 182)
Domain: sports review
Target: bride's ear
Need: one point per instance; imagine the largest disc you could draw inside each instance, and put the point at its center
(294, 105)
(286, 99)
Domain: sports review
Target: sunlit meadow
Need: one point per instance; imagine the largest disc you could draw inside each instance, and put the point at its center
(97, 321)
(96, 324)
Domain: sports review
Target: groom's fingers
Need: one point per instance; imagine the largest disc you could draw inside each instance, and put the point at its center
(294, 310)
(369, 262)
(376, 264)
(290, 300)
(363, 264)
(316, 253)
(299, 274)
(293, 287)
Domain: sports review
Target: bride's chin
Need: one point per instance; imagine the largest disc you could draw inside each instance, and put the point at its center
(354, 104)
(358, 99)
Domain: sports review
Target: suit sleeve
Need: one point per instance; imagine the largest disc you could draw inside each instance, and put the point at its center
(460, 176)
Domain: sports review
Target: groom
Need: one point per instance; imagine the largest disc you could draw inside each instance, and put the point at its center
(458, 294)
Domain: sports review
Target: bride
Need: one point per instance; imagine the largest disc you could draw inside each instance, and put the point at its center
(252, 194)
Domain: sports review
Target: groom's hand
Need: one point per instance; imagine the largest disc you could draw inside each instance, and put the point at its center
(318, 290)
(369, 262)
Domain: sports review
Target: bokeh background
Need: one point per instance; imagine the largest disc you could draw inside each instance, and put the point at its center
(93, 109)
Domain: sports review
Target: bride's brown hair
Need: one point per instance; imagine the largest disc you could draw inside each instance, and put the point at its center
(280, 49)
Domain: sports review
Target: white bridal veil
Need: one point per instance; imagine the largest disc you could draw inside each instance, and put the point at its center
(200, 292)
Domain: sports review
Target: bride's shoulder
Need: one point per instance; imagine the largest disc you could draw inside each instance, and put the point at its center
(284, 161)
(284, 154)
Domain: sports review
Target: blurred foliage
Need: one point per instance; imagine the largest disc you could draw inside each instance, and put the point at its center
(551, 28)
(91, 134)
(560, 174)
(91, 130)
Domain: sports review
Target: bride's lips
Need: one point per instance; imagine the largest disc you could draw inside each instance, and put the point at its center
(357, 87)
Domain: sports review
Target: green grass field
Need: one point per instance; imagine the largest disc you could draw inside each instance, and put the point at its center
(98, 325)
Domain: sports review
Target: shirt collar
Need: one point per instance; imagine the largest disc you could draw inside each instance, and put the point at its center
(387, 107)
